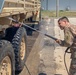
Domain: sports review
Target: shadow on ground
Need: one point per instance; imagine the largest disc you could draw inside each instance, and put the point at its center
(42, 74)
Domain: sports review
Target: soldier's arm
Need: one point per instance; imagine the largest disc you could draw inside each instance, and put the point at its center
(73, 30)
(63, 43)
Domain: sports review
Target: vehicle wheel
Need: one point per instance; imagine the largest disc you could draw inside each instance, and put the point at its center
(19, 45)
(7, 60)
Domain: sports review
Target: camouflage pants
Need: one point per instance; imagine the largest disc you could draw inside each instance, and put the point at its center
(72, 70)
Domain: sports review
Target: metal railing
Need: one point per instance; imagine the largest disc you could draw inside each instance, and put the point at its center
(18, 6)
(30, 5)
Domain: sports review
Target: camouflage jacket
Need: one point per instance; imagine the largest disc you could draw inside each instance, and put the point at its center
(70, 39)
(69, 36)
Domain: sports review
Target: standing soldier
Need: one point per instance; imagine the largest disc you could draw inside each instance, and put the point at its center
(69, 40)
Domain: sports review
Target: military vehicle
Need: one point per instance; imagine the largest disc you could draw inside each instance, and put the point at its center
(13, 54)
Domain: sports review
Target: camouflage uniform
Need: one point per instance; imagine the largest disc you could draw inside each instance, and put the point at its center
(70, 39)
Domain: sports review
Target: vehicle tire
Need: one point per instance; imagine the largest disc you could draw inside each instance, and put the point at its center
(19, 44)
(7, 58)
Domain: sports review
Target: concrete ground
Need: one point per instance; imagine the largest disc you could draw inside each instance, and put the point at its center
(46, 56)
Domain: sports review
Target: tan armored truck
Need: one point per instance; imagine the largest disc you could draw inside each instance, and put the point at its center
(13, 54)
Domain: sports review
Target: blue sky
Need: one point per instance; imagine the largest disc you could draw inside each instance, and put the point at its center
(62, 4)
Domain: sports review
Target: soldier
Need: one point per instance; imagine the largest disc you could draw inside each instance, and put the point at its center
(69, 40)
(11, 31)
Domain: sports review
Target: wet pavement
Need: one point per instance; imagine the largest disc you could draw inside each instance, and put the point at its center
(31, 64)
(47, 65)
(40, 60)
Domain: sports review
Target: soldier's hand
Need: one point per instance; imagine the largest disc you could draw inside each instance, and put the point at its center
(58, 41)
